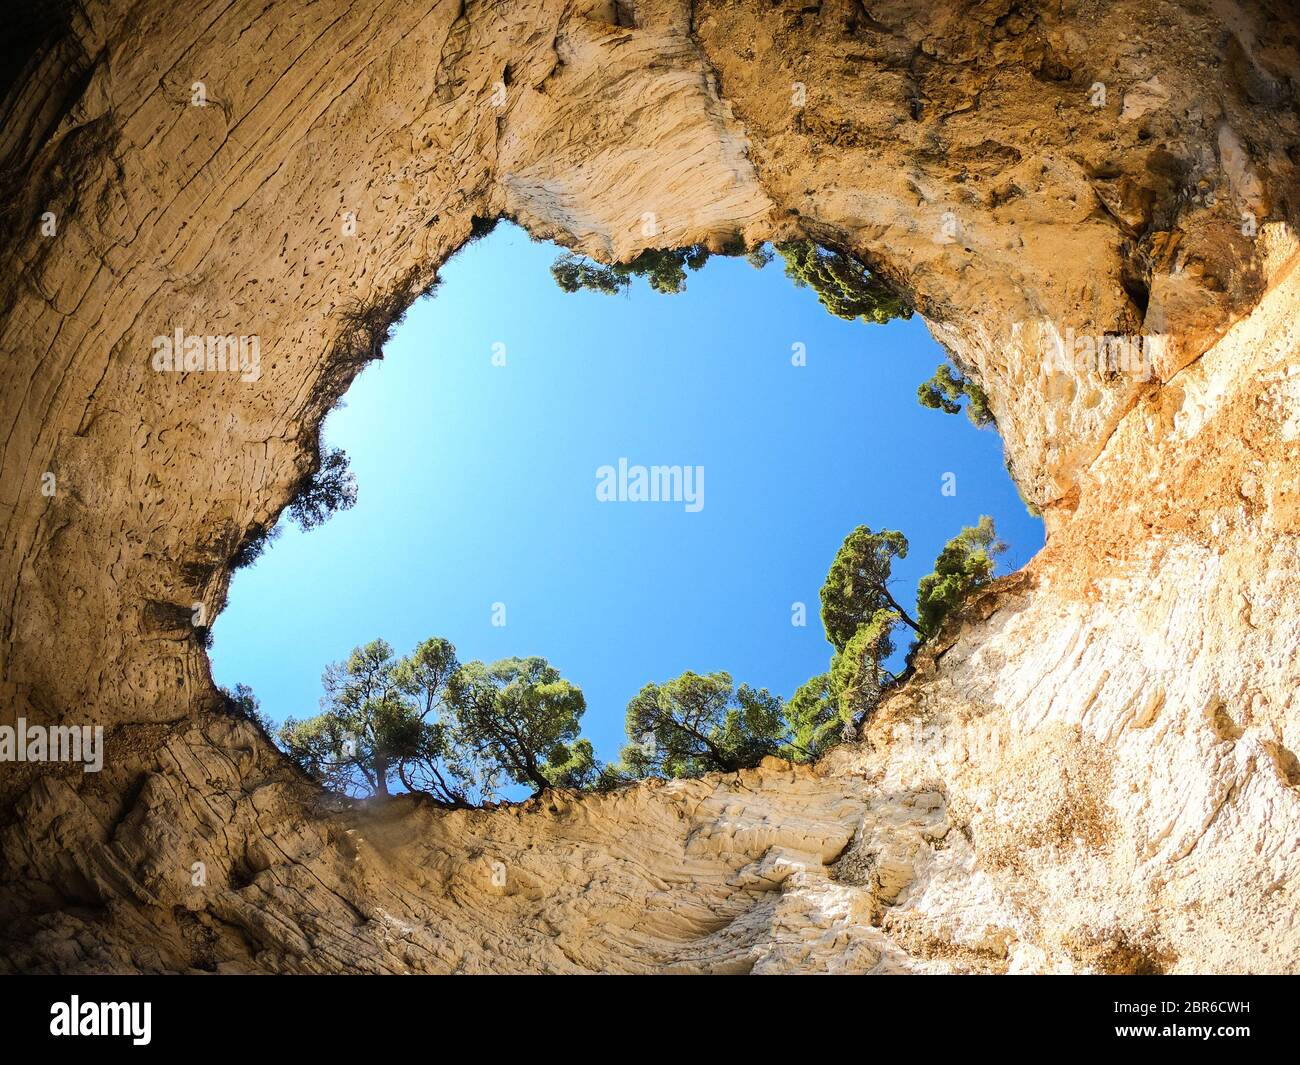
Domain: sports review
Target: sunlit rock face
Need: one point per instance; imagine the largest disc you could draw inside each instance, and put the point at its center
(1092, 768)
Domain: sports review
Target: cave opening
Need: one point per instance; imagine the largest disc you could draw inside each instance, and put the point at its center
(630, 485)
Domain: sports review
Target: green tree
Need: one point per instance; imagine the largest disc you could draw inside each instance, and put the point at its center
(844, 285)
(573, 765)
(435, 762)
(317, 497)
(383, 721)
(663, 268)
(455, 733)
(366, 728)
(241, 702)
(322, 747)
(696, 724)
(966, 562)
(329, 489)
(857, 586)
(945, 389)
(860, 616)
(813, 716)
(858, 674)
(521, 715)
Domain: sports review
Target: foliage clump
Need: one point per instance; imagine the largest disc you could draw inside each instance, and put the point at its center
(858, 672)
(331, 487)
(966, 562)
(844, 285)
(814, 719)
(254, 545)
(861, 617)
(946, 388)
(701, 723)
(521, 717)
(664, 269)
(456, 733)
(319, 495)
(857, 586)
(241, 702)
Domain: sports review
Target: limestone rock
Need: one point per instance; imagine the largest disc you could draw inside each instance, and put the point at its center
(1093, 767)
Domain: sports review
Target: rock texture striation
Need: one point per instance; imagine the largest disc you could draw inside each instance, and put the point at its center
(1092, 768)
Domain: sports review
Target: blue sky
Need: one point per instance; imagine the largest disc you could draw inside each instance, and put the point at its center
(477, 485)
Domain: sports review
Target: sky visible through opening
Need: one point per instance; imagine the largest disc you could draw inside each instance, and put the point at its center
(477, 485)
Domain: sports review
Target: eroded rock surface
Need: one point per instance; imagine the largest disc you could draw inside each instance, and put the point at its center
(1093, 767)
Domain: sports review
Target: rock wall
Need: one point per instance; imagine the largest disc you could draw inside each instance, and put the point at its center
(1092, 768)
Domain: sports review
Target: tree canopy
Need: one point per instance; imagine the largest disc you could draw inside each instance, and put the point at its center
(454, 732)
(663, 268)
(368, 728)
(857, 586)
(521, 715)
(966, 562)
(815, 724)
(844, 285)
(945, 389)
(860, 616)
(331, 488)
(701, 723)
(858, 673)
